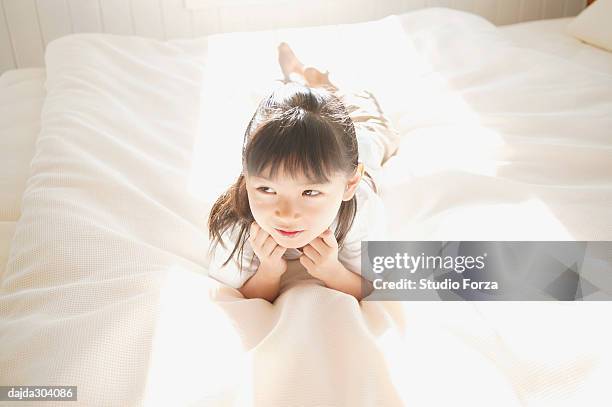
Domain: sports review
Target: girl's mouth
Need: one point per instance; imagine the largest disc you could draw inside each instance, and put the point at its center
(289, 234)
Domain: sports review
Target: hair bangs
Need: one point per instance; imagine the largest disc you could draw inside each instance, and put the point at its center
(301, 147)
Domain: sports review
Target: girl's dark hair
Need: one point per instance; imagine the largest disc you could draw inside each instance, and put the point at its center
(304, 130)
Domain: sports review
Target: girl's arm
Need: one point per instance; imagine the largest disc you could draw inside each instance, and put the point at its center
(265, 284)
(320, 258)
(266, 281)
(348, 282)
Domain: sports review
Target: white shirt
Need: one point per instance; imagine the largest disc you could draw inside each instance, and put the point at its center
(370, 223)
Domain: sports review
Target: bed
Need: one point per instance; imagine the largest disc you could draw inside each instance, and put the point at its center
(505, 136)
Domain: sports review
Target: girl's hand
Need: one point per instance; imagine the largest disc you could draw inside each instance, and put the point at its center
(269, 253)
(320, 256)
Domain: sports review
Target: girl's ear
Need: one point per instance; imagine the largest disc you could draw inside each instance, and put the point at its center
(351, 185)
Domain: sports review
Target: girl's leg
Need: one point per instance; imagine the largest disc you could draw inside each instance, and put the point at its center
(378, 140)
(295, 71)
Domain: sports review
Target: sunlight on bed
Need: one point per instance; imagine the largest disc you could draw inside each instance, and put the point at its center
(441, 131)
(230, 90)
(241, 69)
(422, 369)
(531, 212)
(442, 134)
(184, 307)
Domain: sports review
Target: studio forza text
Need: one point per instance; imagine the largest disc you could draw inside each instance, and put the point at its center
(414, 264)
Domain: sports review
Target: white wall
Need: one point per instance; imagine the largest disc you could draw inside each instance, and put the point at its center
(27, 26)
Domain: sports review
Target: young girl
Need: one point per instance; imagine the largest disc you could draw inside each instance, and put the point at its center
(303, 194)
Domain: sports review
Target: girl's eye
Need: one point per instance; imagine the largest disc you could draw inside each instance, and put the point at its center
(308, 192)
(317, 193)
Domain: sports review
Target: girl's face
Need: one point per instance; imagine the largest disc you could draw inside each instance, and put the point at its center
(297, 205)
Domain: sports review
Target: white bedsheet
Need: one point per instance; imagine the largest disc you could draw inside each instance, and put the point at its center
(21, 97)
(106, 290)
(551, 37)
(7, 231)
(501, 142)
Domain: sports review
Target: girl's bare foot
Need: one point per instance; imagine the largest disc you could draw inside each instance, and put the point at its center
(294, 70)
(316, 78)
(288, 61)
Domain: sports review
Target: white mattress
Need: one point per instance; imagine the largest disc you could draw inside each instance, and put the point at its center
(551, 37)
(21, 97)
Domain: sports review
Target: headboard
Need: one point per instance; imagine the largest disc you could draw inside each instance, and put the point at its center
(27, 26)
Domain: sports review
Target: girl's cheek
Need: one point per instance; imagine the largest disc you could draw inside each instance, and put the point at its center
(257, 207)
(263, 204)
(255, 200)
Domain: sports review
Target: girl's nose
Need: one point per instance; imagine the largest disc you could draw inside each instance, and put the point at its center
(286, 210)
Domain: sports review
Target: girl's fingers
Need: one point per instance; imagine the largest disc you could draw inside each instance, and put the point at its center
(278, 252)
(324, 242)
(306, 262)
(268, 246)
(310, 252)
(330, 239)
(263, 243)
(253, 232)
(318, 244)
(261, 237)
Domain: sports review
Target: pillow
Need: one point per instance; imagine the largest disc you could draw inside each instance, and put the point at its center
(593, 25)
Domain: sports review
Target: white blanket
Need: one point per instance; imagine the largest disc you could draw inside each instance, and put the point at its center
(105, 287)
